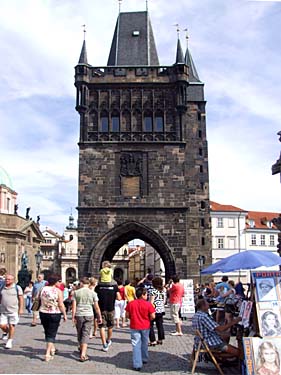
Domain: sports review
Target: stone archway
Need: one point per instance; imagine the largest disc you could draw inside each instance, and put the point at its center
(112, 241)
(70, 275)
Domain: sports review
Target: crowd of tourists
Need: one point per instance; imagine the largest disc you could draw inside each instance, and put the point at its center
(95, 305)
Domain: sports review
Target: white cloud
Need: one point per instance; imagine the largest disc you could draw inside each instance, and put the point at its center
(233, 43)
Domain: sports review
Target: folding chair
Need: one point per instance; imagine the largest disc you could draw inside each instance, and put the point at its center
(203, 347)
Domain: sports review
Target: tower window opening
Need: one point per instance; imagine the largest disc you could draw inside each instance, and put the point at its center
(115, 123)
(159, 124)
(148, 124)
(104, 124)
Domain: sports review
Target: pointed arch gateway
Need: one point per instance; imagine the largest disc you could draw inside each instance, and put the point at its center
(114, 239)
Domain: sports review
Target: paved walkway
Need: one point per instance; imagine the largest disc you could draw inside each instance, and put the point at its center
(27, 354)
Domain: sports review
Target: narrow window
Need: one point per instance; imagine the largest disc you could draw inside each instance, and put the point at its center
(253, 239)
(262, 239)
(203, 205)
(200, 133)
(159, 124)
(220, 243)
(201, 151)
(104, 126)
(220, 222)
(202, 222)
(115, 124)
(203, 241)
(148, 124)
(201, 168)
(271, 240)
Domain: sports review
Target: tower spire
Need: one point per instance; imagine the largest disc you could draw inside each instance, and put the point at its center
(83, 55)
(193, 75)
(179, 55)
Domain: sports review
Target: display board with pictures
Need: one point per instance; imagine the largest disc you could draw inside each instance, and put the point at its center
(268, 302)
(262, 355)
(188, 307)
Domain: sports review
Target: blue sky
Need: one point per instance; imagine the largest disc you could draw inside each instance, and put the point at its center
(236, 48)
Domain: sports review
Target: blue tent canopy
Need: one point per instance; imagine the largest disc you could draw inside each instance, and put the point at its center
(245, 260)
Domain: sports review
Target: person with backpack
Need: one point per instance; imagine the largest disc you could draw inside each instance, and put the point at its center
(11, 308)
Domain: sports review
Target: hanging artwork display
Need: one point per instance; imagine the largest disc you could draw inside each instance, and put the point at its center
(268, 302)
(262, 355)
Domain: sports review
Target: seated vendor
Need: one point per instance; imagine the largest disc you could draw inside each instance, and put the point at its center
(211, 331)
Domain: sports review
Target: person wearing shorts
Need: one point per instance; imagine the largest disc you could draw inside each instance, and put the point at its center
(211, 331)
(11, 308)
(176, 293)
(107, 294)
(120, 306)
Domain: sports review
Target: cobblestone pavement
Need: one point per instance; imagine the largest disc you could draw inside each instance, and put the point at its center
(27, 354)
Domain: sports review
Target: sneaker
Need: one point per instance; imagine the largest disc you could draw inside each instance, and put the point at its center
(109, 343)
(9, 344)
(105, 348)
(176, 334)
(5, 336)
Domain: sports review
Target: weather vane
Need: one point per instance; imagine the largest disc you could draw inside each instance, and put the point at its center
(120, 4)
(186, 36)
(84, 31)
(178, 29)
(146, 5)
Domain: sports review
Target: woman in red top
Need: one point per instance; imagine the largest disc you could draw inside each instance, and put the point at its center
(120, 306)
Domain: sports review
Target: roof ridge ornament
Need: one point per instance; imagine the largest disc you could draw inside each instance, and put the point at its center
(84, 31)
(120, 5)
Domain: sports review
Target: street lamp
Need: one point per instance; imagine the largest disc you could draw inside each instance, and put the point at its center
(201, 262)
(38, 260)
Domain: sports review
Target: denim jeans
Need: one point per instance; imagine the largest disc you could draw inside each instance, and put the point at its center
(139, 340)
(28, 304)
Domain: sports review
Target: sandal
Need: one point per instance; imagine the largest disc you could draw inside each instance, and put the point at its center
(53, 352)
(84, 359)
(152, 343)
(48, 358)
(159, 342)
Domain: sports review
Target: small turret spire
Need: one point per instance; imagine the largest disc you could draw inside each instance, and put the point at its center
(179, 56)
(83, 55)
(193, 75)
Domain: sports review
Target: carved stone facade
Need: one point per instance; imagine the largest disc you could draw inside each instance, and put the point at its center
(143, 164)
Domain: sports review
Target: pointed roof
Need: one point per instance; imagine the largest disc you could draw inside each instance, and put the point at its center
(133, 41)
(83, 55)
(179, 56)
(193, 75)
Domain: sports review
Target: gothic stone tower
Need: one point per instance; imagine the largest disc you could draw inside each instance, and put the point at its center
(143, 165)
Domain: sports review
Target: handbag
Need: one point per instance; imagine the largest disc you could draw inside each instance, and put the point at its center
(36, 304)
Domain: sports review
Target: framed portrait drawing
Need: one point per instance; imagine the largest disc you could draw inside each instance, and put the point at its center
(262, 356)
(266, 289)
(269, 317)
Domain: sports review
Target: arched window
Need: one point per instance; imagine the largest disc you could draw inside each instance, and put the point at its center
(104, 123)
(148, 122)
(93, 121)
(115, 122)
(159, 123)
